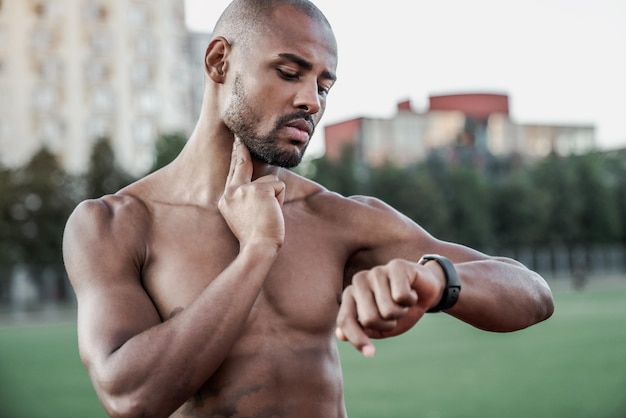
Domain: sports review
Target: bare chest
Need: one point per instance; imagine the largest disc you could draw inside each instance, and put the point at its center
(302, 290)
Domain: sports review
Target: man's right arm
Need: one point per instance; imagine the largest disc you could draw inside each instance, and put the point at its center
(139, 365)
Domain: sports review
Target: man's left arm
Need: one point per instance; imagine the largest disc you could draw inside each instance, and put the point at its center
(392, 289)
(501, 295)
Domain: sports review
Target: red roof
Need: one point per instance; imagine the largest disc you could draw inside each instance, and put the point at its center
(476, 105)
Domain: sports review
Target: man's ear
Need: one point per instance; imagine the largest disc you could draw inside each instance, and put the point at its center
(215, 59)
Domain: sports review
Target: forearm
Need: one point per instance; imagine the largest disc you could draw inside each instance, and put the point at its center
(501, 295)
(159, 369)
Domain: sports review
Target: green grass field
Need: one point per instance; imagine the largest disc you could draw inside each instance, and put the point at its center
(573, 366)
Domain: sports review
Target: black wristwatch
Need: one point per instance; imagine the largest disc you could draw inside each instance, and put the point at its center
(453, 285)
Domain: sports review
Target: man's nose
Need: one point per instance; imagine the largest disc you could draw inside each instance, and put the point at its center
(308, 98)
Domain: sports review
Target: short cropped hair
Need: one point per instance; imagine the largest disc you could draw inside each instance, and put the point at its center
(244, 20)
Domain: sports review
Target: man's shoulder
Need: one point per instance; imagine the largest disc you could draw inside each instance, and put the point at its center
(111, 206)
(104, 234)
(109, 215)
(315, 195)
(322, 200)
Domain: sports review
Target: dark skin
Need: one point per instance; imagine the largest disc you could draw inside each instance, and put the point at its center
(211, 288)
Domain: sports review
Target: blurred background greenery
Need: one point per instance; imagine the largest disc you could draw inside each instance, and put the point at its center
(562, 216)
(571, 366)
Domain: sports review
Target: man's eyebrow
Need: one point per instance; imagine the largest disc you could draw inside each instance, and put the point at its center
(306, 64)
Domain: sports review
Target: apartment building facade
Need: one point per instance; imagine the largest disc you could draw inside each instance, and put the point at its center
(75, 71)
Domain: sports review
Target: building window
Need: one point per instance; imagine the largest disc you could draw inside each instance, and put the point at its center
(180, 76)
(144, 132)
(40, 8)
(46, 9)
(45, 98)
(147, 102)
(43, 39)
(103, 100)
(6, 131)
(100, 41)
(95, 11)
(95, 72)
(4, 98)
(99, 127)
(145, 46)
(178, 12)
(49, 69)
(140, 74)
(139, 15)
(52, 131)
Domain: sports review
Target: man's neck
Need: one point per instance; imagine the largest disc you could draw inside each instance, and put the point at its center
(199, 172)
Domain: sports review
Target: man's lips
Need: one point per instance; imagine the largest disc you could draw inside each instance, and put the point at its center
(301, 125)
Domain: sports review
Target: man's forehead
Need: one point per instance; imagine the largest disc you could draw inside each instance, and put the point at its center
(295, 25)
(293, 33)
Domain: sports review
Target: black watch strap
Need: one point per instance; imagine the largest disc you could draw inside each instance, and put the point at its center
(453, 285)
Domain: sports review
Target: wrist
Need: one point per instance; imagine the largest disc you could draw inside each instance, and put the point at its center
(260, 249)
(439, 279)
(452, 288)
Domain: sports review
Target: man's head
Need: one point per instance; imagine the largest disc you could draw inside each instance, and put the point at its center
(272, 63)
(243, 20)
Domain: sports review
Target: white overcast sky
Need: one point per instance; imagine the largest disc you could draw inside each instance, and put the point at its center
(560, 61)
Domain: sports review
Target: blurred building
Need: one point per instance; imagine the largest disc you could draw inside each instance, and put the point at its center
(75, 71)
(459, 126)
(198, 42)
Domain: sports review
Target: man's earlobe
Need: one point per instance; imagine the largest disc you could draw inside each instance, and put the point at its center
(215, 63)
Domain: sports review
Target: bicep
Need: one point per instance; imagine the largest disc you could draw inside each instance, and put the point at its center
(101, 261)
(110, 315)
(389, 234)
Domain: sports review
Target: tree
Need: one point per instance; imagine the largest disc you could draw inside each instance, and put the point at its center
(599, 217)
(167, 148)
(7, 230)
(469, 202)
(616, 166)
(345, 177)
(413, 192)
(40, 208)
(395, 186)
(519, 211)
(557, 178)
(38, 213)
(104, 176)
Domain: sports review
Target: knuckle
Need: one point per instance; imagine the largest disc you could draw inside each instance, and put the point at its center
(344, 320)
(380, 279)
(369, 321)
(397, 263)
(403, 299)
(359, 279)
(379, 271)
(388, 313)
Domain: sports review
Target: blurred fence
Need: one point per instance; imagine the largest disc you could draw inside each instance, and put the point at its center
(24, 288)
(573, 262)
(31, 288)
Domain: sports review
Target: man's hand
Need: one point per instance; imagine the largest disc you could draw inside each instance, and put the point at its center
(252, 209)
(387, 301)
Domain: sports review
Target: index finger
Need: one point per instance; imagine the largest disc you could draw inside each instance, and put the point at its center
(240, 171)
(348, 328)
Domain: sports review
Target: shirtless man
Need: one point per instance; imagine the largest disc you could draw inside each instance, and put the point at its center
(217, 286)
